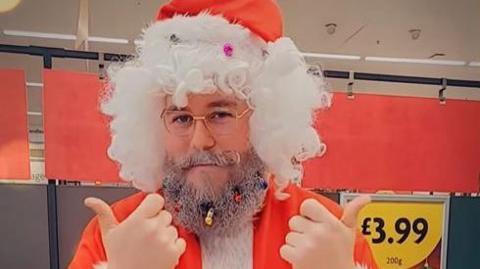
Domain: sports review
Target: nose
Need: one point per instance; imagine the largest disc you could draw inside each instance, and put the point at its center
(202, 139)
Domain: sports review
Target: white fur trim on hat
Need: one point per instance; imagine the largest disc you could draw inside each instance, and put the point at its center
(359, 266)
(102, 265)
(202, 54)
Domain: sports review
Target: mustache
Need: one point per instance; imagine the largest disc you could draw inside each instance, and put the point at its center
(222, 159)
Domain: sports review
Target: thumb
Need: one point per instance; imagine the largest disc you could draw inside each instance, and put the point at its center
(106, 219)
(351, 210)
(180, 245)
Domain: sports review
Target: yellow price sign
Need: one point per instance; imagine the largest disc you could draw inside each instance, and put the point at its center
(402, 234)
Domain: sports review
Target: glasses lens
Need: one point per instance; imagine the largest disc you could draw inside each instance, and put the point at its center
(178, 122)
(222, 122)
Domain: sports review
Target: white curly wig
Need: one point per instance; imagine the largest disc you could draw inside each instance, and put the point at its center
(199, 55)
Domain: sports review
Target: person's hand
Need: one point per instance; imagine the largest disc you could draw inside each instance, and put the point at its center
(317, 239)
(146, 239)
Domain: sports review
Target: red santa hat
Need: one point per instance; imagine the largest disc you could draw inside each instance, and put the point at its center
(262, 17)
(203, 46)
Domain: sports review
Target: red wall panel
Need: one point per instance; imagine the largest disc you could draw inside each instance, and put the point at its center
(76, 133)
(398, 143)
(14, 152)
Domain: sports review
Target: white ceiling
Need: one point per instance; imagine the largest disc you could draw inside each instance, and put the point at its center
(449, 27)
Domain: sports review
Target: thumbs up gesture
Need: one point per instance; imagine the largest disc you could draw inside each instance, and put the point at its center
(317, 239)
(146, 239)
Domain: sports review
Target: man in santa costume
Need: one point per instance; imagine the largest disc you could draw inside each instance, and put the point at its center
(211, 122)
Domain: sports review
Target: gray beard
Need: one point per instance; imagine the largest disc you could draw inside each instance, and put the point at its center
(233, 205)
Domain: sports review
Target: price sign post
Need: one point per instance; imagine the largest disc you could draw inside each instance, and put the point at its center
(405, 231)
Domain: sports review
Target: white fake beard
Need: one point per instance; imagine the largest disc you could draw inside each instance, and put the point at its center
(232, 252)
(190, 205)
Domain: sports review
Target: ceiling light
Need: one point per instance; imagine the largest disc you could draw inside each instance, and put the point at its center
(34, 84)
(107, 40)
(331, 56)
(414, 61)
(138, 42)
(63, 36)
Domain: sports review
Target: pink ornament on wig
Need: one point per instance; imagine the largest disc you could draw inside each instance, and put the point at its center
(228, 49)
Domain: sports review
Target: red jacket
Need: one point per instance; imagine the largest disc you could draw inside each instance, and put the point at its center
(270, 229)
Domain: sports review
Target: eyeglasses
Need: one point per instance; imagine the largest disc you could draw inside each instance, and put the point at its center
(219, 123)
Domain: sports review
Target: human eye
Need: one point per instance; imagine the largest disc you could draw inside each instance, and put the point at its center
(180, 119)
(221, 116)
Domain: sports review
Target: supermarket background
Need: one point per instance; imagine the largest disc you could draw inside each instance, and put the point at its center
(404, 124)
